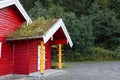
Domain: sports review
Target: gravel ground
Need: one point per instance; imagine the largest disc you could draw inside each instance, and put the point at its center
(81, 71)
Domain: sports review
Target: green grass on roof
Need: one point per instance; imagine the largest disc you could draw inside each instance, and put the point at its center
(37, 28)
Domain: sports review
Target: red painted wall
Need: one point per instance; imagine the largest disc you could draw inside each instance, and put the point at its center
(59, 34)
(48, 55)
(26, 56)
(21, 57)
(33, 65)
(34, 55)
(10, 20)
(6, 61)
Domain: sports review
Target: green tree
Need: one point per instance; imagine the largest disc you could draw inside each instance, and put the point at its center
(55, 12)
(115, 5)
(28, 4)
(80, 31)
(37, 11)
(77, 6)
(106, 27)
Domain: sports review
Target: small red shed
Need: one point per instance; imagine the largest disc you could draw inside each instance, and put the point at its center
(28, 48)
(27, 42)
(12, 15)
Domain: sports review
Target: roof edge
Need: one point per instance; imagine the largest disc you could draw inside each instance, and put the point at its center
(6, 3)
(23, 12)
(36, 37)
(66, 33)
(53, 29)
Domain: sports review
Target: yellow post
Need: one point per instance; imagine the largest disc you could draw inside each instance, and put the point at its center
(42, 55)
(59, 56)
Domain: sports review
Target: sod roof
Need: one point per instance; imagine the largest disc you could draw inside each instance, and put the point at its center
(37, 28)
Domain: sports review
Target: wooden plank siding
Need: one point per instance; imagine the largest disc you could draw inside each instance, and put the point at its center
(33, 55)
(33, 66)
(21, 57)
(6, 60)
(48, 55)
(10, 21)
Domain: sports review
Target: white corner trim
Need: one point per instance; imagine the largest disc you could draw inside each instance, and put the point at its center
(0, 49)
(66, 33)
(6, 3)
(23, 12)
(54, 28)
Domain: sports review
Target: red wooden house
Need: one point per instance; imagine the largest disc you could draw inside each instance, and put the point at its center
(12, 15)
(21, 52)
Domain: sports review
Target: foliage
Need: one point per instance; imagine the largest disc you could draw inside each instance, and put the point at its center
(28, 4)
(117, 53)
(106, 27)
(89, 23)
(76, 6)
(94, 54)
(84, 35)
(98, 53)
(55, 11)
(37, 11)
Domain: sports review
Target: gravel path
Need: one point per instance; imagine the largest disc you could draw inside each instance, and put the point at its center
(81, 71)
(91, 71)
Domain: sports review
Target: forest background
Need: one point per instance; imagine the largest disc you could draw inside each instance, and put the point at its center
(94, 26)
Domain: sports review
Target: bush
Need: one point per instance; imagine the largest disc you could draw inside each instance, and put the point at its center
(97, 53)
(117, 53)
(94, 54)
(72, 56)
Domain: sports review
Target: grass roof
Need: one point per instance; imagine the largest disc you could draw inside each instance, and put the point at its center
(36, 28)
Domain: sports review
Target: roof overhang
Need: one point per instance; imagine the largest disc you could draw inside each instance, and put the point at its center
(54, 28)
(6, 3)
(36, 37)
(46, 37)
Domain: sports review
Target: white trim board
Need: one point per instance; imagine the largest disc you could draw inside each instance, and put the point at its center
(54, 28)
(6, 3)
